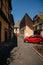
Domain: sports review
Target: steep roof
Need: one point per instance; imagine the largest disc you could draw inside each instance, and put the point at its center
(27, 16)
(27, 21)
(17, 24)
(38, 16)
(41, 16)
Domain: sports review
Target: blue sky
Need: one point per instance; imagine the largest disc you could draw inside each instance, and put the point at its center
(31, 7)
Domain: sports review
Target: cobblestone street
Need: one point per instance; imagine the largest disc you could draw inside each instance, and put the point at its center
(25, 55)
(21, 32)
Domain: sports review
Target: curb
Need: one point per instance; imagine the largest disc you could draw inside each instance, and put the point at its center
(37, 52)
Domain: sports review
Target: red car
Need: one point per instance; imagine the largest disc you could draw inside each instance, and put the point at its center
(34, 39)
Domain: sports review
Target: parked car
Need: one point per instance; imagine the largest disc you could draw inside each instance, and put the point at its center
(34, 39)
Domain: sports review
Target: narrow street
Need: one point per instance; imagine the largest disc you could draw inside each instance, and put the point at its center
(24, 55)
(18, 19)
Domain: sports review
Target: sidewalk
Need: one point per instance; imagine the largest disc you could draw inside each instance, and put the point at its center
(6, 49)
(39, 49)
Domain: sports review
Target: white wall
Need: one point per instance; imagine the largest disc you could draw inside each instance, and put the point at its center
(28, 32)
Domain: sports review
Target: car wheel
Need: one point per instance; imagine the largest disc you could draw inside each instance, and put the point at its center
(26, 41)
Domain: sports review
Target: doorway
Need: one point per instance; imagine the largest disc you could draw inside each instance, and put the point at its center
(0, 32)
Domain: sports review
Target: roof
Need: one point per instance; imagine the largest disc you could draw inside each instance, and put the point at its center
(38, 16)
(17, 24)
(26, 20)
(41, 16)
(27, 16)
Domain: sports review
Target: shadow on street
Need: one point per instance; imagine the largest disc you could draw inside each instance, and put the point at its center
(5, 51)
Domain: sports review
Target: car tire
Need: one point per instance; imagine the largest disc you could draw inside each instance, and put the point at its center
(26, 41)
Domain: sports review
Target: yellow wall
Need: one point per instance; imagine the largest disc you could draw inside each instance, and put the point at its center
(4, 25)
(5, 8)
(28, 31)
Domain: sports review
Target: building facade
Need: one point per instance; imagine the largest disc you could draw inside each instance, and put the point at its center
(38, 24)
(26, 26)
(6, 21)
(16, 28)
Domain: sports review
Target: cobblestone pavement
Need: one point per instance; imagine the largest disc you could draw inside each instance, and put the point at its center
(24, 55)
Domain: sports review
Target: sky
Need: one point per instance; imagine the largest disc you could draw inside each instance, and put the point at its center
(31, 7)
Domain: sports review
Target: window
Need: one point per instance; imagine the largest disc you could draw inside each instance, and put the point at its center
(40, 26)
(35, 27)
(34, 37)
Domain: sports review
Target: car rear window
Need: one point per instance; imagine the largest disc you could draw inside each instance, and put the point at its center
(34, 37)
(37, 36)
